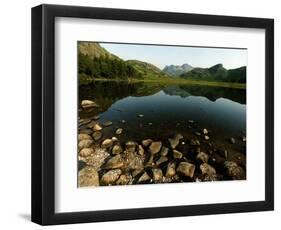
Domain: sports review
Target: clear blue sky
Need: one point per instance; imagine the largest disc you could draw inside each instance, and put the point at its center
(178, 55)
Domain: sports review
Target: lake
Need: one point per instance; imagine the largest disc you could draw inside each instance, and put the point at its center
(159, 111)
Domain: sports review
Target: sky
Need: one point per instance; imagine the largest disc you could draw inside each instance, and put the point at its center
(161, 56)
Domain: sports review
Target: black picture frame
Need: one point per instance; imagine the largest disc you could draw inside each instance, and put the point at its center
(43, 114)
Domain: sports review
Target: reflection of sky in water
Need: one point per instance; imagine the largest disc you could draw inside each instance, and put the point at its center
(222, 115)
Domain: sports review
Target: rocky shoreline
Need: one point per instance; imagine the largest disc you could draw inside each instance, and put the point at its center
(109, 161)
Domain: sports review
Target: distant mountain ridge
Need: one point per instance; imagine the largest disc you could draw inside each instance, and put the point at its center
(177, 70)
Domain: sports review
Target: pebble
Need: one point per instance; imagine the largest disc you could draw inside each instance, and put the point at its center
(118, 131)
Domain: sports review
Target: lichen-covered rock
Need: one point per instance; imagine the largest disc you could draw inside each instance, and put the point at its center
(88, 176)
(171, 169)
(186, 169)
(86, 152)
(203, 157)
(117, 149)
(114, 162)
(177, 154)
(107, 143)
(85, 144)
(234, 170)
(155, 147)
(207, 169)
(110, 177)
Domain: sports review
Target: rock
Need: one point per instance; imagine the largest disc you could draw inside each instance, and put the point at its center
(198, 133)
(123, 121)
(123, 180)
(96, 117)
(164, 151)
(131, 146)
(171, 169)
(118, 131)
(183, 143)
(114, 139)
(86, 131)
(81, 164)
(85, 144)
(177, 154)
(107, 143)
(205, 131)
(97, 127)
(137, 172)
(111, 177)
(85, 104)
(232, 140)
(140, 115)
(140, 150)
(132, 161)
(114, 162)
(91, 124)
(157, 175)
(186, 169)
(207, 169)
(107, 123)
(150, 160)
(97, 159)
(178, 136)
(150, 123)
(144, 178)
(206, 138)
(234, 171)
(84, 121)
(161, 160)
(155, 147)
(203, 157)
(244, 139)
(146, 142)
(86, 152)
(191, 121)
(117, 149)
(194, 142)
(84, 136)
(88, 176)
(97, 135)
(173, 142)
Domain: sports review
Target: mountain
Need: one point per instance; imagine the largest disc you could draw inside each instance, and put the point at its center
(94, 50)
(146, 69)
(217, 73)
(177, 70)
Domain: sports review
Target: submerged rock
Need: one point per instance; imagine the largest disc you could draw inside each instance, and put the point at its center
(203, 157)
(88, 176)
(207, 169)
(234, 171)
(97, 135)
(117, 149)
(171, 169)
(146, 142)
(107, 143)
(186, 169)
(107, 123)
(118, 131)
(86, 152)
(85, 104)
(155, 147)
(111, 177)
(177, 154)
(114, 162)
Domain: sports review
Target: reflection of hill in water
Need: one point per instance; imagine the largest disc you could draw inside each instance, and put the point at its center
(212, 93)
(106, 93)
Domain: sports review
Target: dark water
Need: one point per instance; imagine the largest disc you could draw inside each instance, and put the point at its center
(167, 109)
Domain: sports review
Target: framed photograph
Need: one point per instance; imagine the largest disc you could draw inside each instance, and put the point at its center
(142, 114)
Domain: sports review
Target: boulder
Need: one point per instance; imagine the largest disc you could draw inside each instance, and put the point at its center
(207, 169)
(157, 174)
(161, 160)
(203, 157)
(155, 147)
(85, 144)
(173, 142)
(97, 159)
(186, 169)
(123, 180)
(86, 152)
(117, 149)
(84, 136)
(97, 127)
(97, 135)
(85, 104)
(114, 162)
(144, 178)
(110, 177)
(177, 154)
(88, 176)
(146, 142)
(131, 146)
(86, 131)
(234, 170)
(171, 169)
(107, 143)
(164, 151)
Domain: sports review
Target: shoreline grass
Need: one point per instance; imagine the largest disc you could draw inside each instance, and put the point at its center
(172, 81)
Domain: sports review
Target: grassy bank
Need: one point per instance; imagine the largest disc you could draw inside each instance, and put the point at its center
(172, 81)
